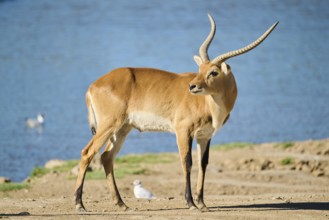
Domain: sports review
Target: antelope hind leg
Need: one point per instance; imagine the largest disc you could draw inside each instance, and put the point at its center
(87, 155)
(108, 156)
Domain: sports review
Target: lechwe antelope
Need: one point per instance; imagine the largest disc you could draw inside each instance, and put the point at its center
(193, 106)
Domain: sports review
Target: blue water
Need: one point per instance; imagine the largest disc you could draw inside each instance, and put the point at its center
(50, 51)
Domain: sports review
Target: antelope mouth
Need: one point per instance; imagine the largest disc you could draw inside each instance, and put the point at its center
(196, 91)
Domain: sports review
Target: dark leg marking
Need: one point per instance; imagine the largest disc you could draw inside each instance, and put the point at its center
(204, 163)
(93, 130)
(78, 199)
(189, 162)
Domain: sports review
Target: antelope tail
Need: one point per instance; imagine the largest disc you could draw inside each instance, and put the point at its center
(91, 113)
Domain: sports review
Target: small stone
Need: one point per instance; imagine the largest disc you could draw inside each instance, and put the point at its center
(277, 198)
(318, 173)
(24, 213)
(54, 163)
(4, 180)
(306, 168)
(75, 170)
(28, 180)
(325, 152)
(266, 165)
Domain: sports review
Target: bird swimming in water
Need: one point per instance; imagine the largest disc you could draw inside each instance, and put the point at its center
(35, 122)
(140, 192)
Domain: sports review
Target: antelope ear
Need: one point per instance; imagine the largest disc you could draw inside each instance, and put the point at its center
(224, 67)
(198, 60)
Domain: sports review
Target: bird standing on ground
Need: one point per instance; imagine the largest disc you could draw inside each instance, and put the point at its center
(140, 192)
(35, 122)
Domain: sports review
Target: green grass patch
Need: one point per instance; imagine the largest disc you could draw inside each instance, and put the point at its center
(133, 164)
(119, 173)
(285, 145)
(145, 158)
(41, 171)
(94, 175)
(230, 146)
(122, 172)
(287, 161)
(4, 187)
(320, 145)
(66, 167)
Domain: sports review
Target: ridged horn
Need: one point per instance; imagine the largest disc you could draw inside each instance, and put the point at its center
(203, 51)
(245, 49)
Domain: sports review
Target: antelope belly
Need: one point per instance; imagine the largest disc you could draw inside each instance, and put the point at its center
(146, 121)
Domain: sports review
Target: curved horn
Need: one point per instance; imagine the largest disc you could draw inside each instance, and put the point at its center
(203, 51)
(245, 49)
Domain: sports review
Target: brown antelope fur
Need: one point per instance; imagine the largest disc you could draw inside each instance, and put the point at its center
(193, 106)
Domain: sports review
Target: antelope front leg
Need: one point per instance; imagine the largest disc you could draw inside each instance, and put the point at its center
(185, 146)
(203, 157)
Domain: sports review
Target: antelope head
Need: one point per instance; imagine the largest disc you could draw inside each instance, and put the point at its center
(214, 75)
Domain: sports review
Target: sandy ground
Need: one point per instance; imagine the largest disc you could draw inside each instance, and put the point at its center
(247, 183)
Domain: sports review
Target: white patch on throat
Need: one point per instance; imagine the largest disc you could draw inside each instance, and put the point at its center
(147, 121)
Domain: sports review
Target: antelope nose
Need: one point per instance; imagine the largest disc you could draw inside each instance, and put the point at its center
(192, 86)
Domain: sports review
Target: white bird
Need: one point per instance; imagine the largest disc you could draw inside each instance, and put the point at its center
(35, 122)
(140, 192)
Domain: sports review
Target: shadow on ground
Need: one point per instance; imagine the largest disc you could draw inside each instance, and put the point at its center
(321, 206)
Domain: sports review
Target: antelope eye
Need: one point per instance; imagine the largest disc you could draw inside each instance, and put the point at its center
(213, 73)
